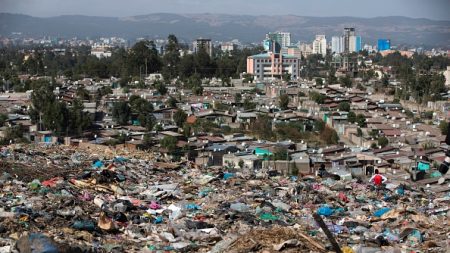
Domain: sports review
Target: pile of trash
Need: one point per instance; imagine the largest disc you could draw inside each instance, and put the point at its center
(60, 199)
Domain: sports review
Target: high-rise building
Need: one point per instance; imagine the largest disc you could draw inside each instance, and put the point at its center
(349, 33)
(203, 43)
(320, 45)
(358, 43)
(384, 44)
(348, 43)
(271, 45)
(282, 38)
(354, 44)
(337, 44)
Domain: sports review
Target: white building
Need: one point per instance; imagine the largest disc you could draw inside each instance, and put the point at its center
(337, 44)
(447, 76)
(101, 52)
(228, 46)
(320, 45)
(282, 38)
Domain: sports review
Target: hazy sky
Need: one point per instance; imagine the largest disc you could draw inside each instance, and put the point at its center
(432, 9)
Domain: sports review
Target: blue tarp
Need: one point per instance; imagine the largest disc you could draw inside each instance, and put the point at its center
(98, 164)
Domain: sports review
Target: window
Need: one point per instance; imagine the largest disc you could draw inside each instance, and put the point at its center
(257, 65)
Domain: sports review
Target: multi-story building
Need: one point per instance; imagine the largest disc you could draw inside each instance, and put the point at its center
(447, 76)
(337, 44)
(320, 45)
(305, 49)
(384, 44)
(349, 33)
(228, 47)
(348, 43)
(203, 43)
(282, 38)
(292, 50)
(272, 65)
(101, 51)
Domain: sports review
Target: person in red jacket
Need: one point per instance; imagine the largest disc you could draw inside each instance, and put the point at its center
(378, 179)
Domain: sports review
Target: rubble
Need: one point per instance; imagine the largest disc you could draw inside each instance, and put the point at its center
(100, 202)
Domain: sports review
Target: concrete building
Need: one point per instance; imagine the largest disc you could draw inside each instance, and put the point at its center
(292, 50)
(320, 45)
(228, 47)
(101, 52)
(337, 44)
(384, 44)
(282, 38)
(447, 76)
(203, 43)
(349, 33)
(271, 65)
(348, 43)
(305, 49)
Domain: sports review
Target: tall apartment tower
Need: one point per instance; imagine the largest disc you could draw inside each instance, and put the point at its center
(320, 45)
(337, 44)
(282, 38)
(203, 43)
(349, 34)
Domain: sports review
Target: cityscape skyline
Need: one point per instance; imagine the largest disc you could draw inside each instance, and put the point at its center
(434, 10)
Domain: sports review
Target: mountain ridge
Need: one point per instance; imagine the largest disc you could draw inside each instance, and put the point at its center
(223, 27)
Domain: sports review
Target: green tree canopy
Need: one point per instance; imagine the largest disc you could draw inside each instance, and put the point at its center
(121, 112)
(283, 101)
(179, 117)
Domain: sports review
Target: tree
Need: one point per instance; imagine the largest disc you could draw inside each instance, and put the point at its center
(3, 119)
(179, 117)
(241, 164)
(281, 154)
(345, 81)
(262, 127)
(351, 117)
(286, 77)
(319, 125)
(172, 102)
(82, 93)
(385, 80)
(319, 81)
(169, 143)
(359, 132)
(171, 58)
(161, 88)
(361, 120)
(248, 104)
(143, 109)
(383, 141)
(344, 106)
(283, 101)
(443, 126)
(317, 97)
(329, 135)
(121, 112)
(78, 119)
(143, 57)
(237, 97)
(332, 79)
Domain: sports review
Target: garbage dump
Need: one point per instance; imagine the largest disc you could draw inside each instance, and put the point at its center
(61, 199)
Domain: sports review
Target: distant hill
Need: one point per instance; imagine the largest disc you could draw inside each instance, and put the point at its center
(222, 27)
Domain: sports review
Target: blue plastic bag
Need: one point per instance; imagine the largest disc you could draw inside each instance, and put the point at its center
(325, 211)
(380, 212)
(192, 207)
(227, 176)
